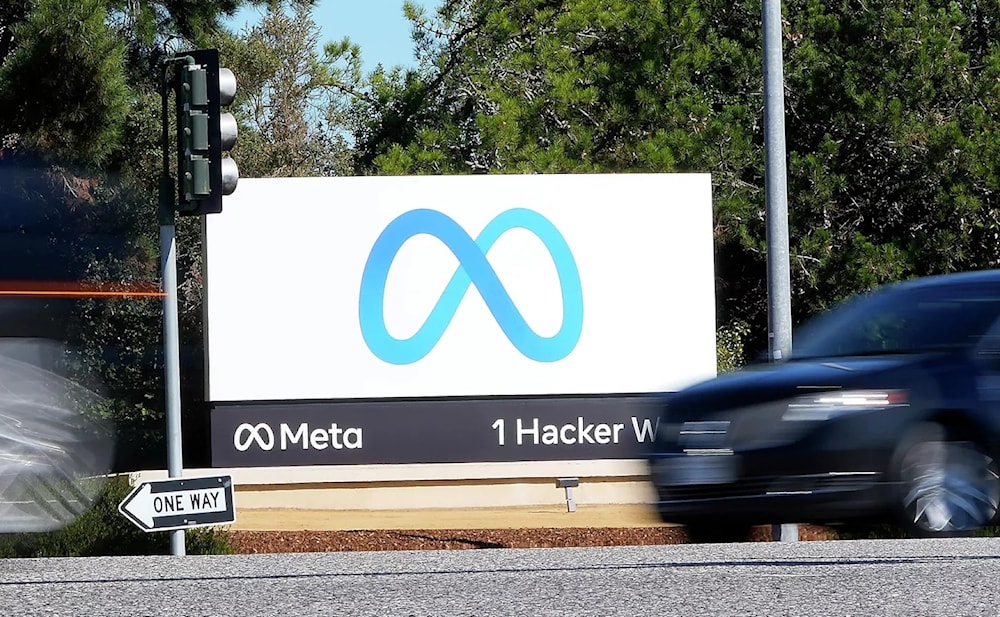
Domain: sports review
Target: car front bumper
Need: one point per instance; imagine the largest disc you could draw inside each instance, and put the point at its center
(716, 488)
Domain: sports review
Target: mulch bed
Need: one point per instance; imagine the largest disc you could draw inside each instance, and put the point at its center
(251, 542)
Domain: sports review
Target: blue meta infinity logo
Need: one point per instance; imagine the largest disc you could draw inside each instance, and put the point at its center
(473, 269)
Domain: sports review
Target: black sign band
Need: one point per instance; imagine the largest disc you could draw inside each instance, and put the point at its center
(433, 431)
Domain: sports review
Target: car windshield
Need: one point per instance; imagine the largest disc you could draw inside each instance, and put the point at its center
(901, 319)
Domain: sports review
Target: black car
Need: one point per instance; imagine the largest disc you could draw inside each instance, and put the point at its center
(887, 411)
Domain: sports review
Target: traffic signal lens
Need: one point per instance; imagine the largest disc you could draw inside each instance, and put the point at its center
(230, 175)
(227, 86)
(228, 131)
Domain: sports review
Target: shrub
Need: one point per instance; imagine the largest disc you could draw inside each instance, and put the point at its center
(730, 346)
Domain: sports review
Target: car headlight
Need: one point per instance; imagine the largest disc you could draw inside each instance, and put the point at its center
(827, 405)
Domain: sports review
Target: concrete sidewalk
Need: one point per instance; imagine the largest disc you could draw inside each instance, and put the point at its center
(624, 515)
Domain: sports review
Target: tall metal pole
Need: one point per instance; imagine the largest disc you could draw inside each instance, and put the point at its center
(779, 293)
(171, 338)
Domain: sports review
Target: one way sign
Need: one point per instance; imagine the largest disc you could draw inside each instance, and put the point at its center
(180, 503)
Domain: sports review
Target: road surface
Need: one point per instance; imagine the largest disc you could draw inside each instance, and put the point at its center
(914, 577)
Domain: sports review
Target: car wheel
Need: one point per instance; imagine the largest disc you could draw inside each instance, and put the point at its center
(711, 533)
(947, 487)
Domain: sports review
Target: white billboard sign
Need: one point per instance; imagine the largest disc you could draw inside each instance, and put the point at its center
(431, 286)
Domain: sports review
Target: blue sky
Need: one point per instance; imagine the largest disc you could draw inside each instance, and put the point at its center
(378, 26)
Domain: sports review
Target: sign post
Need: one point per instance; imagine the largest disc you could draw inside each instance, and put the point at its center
(180, 503)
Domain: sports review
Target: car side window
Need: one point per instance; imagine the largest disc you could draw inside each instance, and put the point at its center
(905, 321)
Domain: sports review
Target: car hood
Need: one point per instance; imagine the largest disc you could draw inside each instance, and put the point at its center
(765, 383)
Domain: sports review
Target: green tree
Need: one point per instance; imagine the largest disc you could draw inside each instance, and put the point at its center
(291, 121)
(893, 150)
(62, 90)
(71, 70)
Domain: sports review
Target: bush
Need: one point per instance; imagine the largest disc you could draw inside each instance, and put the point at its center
(730, 346)
(103, 530)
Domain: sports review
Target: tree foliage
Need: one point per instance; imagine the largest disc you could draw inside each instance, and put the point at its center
(73, 114)
(290, 121)
(892, 120)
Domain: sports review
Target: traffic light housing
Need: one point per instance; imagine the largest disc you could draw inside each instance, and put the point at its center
(205, 133)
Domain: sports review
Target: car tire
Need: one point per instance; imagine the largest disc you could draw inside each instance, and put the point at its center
(714, 533)
(947, 487)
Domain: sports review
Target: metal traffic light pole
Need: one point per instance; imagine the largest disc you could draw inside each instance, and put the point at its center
(776, 195)
(171, 336)
(204, 176)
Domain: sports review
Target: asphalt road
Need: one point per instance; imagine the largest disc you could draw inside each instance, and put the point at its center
(941, 577)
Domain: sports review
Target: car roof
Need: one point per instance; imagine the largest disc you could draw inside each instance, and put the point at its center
(955, 278)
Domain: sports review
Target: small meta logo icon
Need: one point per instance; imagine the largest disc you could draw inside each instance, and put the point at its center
(473, 269)
(249, 434)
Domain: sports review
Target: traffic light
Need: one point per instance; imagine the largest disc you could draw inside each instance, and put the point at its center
(204, 134)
